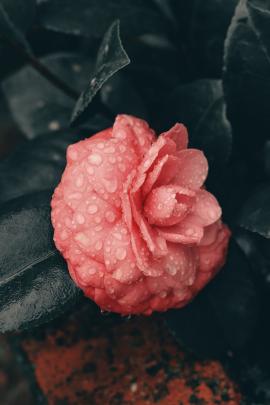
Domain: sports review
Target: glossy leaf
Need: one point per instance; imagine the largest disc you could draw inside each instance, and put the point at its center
(202, 26)
(21, 13)
(34, 282)
(200, 106)
(38, 106)
(92, 17)
(255, 215)
(247, 78)
(111, 58)
(9, 31)
(224, 316)
(38, 164)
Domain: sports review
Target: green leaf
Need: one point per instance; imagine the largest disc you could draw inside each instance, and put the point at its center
(9, 31)
(34, 282)
(21, 13)
(38, 106)
(202, 28)
(255, 215)
(92, 17)
(224, 315)
(110, 59)
(38, 164)
(247, 78)
(200, 106)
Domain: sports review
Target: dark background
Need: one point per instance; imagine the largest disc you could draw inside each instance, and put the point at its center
(67, 68)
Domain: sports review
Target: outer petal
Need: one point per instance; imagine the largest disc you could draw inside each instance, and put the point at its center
(119, 256)
(186, 232)
(135, 131)
(178, 133)
(206, 208)
(212, 256)
(192, 169)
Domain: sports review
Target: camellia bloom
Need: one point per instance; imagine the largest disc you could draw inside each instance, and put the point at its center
(133, 221)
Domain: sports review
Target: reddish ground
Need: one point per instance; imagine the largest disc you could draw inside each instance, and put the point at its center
(105, 360)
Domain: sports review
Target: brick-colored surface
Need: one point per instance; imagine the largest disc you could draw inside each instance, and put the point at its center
(97, 359)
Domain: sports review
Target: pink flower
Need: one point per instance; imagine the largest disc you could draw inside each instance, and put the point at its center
(133, 221)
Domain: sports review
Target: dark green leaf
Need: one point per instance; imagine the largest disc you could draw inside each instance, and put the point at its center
(224, 315)
(259, 11)
(120, 96)
(247, 80)
(111, 58)
(34, 283)
(9, 32)
(36, 104)
(21, 13)
(200, 106)
(92, 17)
(202, 29)
(37, 165)
(255, 215)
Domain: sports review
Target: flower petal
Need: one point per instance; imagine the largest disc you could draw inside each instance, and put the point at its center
(162, 173)
(206, 208)
(192, 168)
(168, 205)
(178, 133)
(136, 131)
(186, 232)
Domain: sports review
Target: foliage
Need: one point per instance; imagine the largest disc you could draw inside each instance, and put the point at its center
(203, 62)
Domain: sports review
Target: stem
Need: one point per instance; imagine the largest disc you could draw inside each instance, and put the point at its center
(44, 71)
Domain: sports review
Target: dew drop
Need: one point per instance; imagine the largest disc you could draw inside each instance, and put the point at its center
(80, 219)
(72, 154)
(99, 245)
(100, 145)
(92, 270)
(79, 181)
(110, 216)
(189, 232)
(120, 253)
(92, 209)
(95, 159)
(64, 235)
(90, 170)
(111, 185)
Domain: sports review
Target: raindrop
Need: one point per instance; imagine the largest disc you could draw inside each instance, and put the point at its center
(120, 253)
(92, 209)
(110, 216)
(95, 159)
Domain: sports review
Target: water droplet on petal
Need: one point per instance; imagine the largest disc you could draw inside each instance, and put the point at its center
(95, 159)
(189, 232)
(92, 209)
(99, 245)
(111, 185)
(80, 218)
(110, 216)
(79, 181)
(120, 253)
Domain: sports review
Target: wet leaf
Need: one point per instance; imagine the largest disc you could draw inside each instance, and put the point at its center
(34, 282)
(111, 58)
